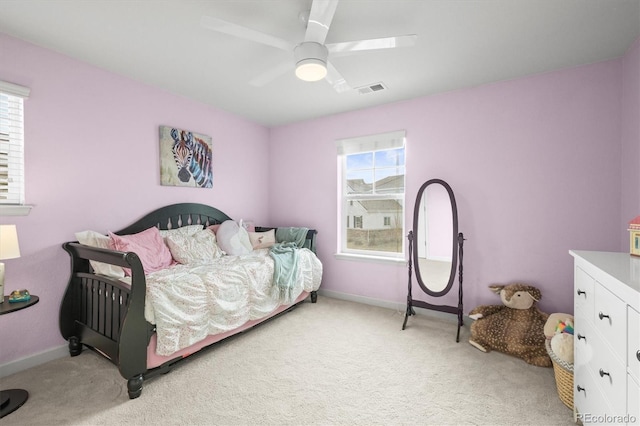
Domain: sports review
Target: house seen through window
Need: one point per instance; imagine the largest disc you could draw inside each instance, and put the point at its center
(372, 192)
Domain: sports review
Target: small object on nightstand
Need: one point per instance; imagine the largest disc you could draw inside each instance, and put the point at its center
(19, 296)
(634, 237)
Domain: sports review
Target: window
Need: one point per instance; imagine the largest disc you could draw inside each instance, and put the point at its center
(12, 98)
(357, 222)
(372, 170)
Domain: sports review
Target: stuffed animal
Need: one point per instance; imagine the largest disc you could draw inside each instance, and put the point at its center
(559, 330)
(515, 328)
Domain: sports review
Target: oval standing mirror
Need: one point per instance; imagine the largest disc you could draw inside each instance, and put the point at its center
(435, 248)
(435, 228)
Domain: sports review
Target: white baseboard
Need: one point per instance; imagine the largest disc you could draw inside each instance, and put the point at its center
(30, 361)
(363, 299)
(396, 306)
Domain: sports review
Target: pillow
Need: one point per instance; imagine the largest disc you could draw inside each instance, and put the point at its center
(233, 239)
(200, 247)
(262, 239)
(148, 245)
(248, 225)
(184, 230)
(214, 228)
(96, 239)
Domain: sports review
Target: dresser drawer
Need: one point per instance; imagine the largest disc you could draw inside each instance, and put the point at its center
(610, 374)
(588, 400)
(583, 296)
(633, 354)
(583, 338)
(610, 319)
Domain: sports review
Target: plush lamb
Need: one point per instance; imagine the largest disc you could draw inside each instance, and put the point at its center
(515, 328)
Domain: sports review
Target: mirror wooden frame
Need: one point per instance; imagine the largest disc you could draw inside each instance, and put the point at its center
(454, 245)
(456, 262)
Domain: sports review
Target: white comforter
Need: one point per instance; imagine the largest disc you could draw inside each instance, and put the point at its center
(189, 302)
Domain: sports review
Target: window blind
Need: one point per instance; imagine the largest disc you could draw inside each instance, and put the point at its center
(376, 142)
(12, 99)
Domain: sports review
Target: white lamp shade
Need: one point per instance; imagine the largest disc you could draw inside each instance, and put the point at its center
(9, 247)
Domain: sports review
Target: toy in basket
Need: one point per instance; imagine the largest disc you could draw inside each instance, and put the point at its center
(559, 332)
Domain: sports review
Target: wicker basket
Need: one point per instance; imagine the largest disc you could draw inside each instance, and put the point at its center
(563, 372)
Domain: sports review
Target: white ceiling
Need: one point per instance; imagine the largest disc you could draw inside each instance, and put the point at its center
(460, 44)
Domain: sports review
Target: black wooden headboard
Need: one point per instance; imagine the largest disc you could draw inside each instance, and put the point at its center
(175, 216)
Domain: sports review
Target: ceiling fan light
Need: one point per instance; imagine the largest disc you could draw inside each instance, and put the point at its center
(311, 69)
(311, 61)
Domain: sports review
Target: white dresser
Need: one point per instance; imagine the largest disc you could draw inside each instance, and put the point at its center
(606, 384)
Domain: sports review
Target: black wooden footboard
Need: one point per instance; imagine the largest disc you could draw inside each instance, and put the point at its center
(105, 314)
(101, 308)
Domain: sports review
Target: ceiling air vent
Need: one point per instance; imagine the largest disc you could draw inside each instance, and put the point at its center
(370, 88)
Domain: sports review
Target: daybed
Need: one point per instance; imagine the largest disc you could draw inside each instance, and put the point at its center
(126, 318)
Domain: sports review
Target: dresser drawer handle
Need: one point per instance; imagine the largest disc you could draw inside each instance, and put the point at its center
(603, 316)
(638, 355)
(580, 337)
(581, 389)
(580, 292)
(604, 373)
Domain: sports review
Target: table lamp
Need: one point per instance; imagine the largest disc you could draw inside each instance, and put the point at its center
(9, 249)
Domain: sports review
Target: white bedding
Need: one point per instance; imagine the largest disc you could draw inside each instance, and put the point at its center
(189, 302)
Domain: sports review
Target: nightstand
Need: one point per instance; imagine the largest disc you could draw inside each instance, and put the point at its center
(12, 399)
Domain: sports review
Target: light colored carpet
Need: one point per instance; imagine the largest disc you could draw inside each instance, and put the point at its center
(330, 363)
(435, 273)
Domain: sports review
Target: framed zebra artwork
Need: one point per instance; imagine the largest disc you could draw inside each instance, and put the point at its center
(185, 158)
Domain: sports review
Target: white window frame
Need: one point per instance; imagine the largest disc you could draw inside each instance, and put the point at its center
(12, 177)
(378, 142)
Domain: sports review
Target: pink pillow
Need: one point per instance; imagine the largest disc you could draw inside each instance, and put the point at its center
(248, 225)
(149, 247)
(214, 228)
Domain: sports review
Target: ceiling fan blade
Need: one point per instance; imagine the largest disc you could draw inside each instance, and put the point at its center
(320, 18)
(239, 31)
(270, 74)
(372, 44)
(336, 80)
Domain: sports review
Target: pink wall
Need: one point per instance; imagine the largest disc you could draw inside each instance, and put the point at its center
(630, 138)
(92, 163)
(534, 164)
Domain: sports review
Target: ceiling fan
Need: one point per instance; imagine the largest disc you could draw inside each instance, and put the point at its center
(311, 56)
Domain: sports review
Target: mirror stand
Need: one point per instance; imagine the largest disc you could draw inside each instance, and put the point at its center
(411, 302)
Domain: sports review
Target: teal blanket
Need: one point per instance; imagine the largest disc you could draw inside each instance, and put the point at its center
(292, 235)
(285, 268)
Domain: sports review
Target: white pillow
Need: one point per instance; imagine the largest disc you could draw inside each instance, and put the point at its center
(96, 239)
(184, 230)
(200, 247)
(233, 239)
